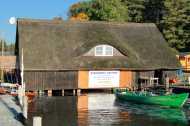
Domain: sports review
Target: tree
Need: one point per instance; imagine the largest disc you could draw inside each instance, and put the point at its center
(7, 47)
(3, 45)
(171, 16)
(154, 10)
(81, 17)
(175, 24)
(136, 10)
(102, 10)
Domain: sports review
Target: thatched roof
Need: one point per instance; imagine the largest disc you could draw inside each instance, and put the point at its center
(57, 44)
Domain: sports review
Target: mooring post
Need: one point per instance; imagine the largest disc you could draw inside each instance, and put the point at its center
(74, 92)
(78, 91)
(37, 121)
(41, 92)
(63, 92)
(20, 95)
(49, 92)
(25, 107)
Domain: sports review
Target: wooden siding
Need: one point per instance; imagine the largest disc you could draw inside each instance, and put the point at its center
(44, 80)
(83, 79)
(125, 79)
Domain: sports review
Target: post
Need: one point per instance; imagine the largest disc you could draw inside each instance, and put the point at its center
(25, 107)
(2, 48)
(20, 95)
(49, 92)
(78, 91)
(22, 70)
(41, 92)
(2, 72)
(74, 92)
(167, 84)
(2, 75)
(37, 121)
(63, 92)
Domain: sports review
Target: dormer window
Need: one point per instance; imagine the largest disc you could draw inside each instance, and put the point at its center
(103, 50)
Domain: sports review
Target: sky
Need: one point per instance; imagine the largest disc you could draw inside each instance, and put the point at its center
(35, 9)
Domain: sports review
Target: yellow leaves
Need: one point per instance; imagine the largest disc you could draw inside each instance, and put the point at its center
(80, 17)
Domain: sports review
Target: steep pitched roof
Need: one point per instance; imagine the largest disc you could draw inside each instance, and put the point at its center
(57, 44)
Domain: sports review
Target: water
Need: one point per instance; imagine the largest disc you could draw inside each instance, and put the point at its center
(101, 109)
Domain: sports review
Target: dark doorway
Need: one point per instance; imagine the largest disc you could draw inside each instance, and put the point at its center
(159, 74)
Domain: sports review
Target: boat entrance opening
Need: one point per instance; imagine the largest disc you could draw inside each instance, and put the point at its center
(159, 74)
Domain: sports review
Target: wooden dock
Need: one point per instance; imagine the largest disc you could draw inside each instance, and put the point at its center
(10, 112)
(180, 85)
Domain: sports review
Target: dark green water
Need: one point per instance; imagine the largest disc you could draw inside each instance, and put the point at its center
(101, 109)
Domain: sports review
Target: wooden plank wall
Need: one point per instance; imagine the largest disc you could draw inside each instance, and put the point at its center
(53, 80)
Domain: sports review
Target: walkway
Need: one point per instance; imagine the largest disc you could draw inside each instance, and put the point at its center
(10, 112)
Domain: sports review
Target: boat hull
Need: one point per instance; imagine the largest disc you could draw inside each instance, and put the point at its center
(173, 100)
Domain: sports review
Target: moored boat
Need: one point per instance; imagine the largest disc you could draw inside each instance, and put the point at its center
(170, 100)
(2, 90)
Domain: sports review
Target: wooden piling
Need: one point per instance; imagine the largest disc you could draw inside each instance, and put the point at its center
(25, 107)
(74, 92)
(2, 75)
(63, 92)
(78, 91)
(167, 84)
(40, 92)
(49, 92)
(20, 95)
(37, 121)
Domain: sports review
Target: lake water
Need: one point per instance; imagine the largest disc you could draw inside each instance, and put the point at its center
(101, 109)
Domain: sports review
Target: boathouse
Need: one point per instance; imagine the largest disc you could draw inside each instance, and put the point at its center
(61, 54)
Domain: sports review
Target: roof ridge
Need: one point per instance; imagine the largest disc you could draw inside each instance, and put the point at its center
(59, 21)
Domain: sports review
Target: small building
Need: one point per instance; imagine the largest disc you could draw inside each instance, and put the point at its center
(8, 62)
(8, 68)
(88, 55)
(184, 59)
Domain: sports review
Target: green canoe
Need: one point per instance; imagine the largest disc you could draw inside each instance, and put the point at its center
(171, 100)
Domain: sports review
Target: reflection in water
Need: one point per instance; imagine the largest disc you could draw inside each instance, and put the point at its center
(166, 115)
(101, 109)
(55, 111)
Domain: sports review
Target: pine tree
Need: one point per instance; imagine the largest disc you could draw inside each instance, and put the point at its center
(176, 24)
(136, 10)
(154, 10)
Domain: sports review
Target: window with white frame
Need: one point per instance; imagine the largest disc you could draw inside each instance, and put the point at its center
(103, 50)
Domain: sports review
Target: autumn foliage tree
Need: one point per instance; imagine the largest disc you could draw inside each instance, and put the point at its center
(80, 17)
(102, 10)
(171, 16)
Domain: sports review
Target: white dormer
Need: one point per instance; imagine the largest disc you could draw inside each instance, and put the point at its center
(103, 50)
